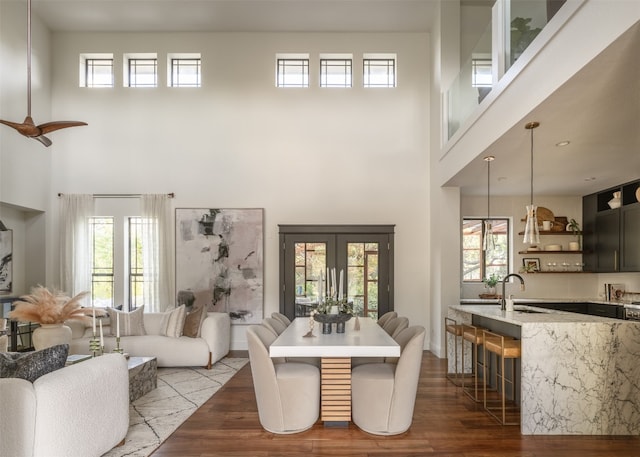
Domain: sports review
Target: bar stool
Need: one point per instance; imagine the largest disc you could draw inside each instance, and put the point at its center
(475, 336)
(455, 329)
(504, 347)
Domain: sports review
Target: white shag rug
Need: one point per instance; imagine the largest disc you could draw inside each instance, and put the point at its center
(156, 415)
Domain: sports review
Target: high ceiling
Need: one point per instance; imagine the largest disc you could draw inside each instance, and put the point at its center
(598, 110)
(237, 15)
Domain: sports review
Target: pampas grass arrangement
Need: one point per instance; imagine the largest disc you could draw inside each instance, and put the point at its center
(43, 306)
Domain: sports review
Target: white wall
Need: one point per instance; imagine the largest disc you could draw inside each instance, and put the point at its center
(307, 156)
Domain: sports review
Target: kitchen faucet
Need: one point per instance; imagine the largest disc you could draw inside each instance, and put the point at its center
(503, 301)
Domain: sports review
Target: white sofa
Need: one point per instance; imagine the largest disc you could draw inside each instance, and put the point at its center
(212, 344)
(80, 410)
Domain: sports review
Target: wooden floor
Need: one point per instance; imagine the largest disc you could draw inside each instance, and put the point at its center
(445, 423)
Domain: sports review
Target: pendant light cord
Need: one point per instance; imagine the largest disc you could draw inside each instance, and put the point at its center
(488, 189)
(531, 126)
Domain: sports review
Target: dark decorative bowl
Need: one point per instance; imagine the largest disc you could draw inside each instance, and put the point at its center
(331, 318)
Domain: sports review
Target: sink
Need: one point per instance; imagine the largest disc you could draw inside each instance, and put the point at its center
(528, 310)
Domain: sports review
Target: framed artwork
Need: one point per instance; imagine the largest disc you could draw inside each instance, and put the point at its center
(6, 252)
(531, 264)
(219, 261)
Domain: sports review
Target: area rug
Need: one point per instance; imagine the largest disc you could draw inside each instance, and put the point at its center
(156, 415)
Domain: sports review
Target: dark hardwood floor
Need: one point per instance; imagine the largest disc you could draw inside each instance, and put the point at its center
(445, 423)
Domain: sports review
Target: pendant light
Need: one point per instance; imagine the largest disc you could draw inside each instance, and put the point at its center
(488, 242)
(531, 232)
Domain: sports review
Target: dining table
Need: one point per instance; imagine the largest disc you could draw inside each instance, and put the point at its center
(362, 337)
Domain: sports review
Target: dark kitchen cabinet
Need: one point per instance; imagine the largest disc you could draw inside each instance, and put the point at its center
(607, 240)
(581, 308)
(630, 237)
(598, 309)
(611, 239)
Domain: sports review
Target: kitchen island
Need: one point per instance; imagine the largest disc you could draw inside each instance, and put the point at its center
(579, 375)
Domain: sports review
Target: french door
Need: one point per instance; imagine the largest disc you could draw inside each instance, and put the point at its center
(363, 253)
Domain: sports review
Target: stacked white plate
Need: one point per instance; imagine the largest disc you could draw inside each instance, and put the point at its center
(553, 247)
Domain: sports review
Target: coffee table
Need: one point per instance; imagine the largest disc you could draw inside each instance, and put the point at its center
(143, 376)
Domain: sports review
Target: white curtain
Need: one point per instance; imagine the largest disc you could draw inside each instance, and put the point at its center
(76, 243)
(157, 252)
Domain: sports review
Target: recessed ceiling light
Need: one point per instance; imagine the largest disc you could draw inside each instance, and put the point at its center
(563, 143)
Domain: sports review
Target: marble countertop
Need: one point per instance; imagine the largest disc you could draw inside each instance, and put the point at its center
(492, 301)
(540, 316)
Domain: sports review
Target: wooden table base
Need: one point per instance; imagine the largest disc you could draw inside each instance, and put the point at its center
(335, 387)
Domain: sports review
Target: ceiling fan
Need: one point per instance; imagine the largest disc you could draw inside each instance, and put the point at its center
(28, 128)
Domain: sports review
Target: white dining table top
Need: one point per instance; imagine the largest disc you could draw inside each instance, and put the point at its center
(370, 341)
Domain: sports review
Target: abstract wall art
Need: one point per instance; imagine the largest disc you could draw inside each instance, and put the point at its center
(6, 252)
(219, 261)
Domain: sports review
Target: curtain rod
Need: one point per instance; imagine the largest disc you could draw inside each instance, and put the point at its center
(170, 195)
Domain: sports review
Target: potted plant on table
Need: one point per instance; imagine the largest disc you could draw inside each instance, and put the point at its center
(51, 310)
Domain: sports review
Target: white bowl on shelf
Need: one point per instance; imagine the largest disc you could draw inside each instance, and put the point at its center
(553, 247)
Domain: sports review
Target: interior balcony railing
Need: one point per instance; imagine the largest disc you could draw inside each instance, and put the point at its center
(513, 27)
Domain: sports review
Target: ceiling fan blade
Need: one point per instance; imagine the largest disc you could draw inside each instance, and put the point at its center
(43, 139)
(48, 127)
(27, 128)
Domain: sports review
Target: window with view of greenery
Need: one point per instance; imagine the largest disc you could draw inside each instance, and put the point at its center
(112, 273)
(136, 263)
(102, 271)
(478, 264)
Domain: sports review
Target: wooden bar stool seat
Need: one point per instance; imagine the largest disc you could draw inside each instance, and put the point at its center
(504, 347)
(454, 329)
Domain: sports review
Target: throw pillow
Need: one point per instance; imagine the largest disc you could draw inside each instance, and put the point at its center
(173, 322)
(32, 365)
(131, 324)
(193, 321)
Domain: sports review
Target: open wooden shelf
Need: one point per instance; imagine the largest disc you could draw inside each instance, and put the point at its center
(549, 252)
(551, 232)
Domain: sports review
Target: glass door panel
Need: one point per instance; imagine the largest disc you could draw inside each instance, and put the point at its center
(362, 278)
(369, 272)
(310, 263)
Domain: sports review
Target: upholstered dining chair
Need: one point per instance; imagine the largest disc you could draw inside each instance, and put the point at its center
(393, 386)
(385, 318)
(274, 324)
(288, 394)
(396, 325)
(282, 318)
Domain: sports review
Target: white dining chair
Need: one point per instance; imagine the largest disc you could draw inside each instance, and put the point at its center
(282, 318)
(396, 325)
(287, 394)
(383, 394)
(274, 324)
(386, 317)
